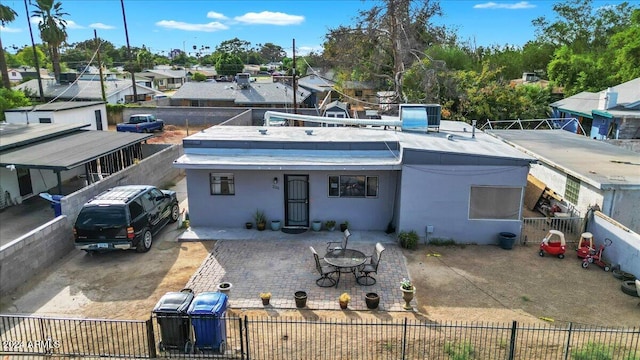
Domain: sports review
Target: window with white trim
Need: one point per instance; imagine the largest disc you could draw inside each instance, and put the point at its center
(222, 184)
(572, 189)
(353, 186)
(491, 202)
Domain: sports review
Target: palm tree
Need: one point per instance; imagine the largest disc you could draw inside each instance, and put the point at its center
(7, 15)
(52, 29)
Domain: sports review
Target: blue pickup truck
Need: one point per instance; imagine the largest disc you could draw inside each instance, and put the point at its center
(141, 123)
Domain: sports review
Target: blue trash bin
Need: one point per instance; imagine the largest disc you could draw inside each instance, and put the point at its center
(56, 205)
(207, 312)
(173, 320)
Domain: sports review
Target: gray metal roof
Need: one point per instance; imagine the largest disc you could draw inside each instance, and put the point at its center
(283, 147)
(257, 93)
(16, 135)
(598, 163)
(628, 102)
(69, 151)
(316, 83)
(57, 106)
(82, 89)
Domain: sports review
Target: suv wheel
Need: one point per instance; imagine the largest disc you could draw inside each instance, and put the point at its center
(175, 213)
(145, 243)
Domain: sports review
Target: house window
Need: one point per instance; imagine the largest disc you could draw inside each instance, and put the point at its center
(488, 202)
(194, 103)
(359, 93)
(353, 186)
(45, 120)
(222, 184)
(572, 189)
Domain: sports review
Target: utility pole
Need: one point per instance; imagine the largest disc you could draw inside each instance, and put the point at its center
(35, 53)
(295, 85)
(95, 35)
(126, 33)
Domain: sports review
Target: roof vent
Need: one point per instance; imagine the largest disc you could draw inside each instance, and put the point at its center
(262, 131)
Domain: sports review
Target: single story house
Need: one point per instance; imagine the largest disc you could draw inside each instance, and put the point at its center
(457, 184)
(165, 79)
(584, 171)
(35, 158)
(320, 88)
(613, 113)
(91, 112)
(226, 94)
(116, 91)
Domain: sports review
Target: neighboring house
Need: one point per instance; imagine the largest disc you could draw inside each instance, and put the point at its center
(360, 94)
(15, 76)
(226, 94)
(116, 91)
(584, 171)
(210, 74)
(31, 73)
(165, 79)
(73, 112)
(35, 158)
(336, 109)
(613, 113)
(461, 185)
(321, 89)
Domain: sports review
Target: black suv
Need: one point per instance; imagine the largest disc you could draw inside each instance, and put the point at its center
(125, 217)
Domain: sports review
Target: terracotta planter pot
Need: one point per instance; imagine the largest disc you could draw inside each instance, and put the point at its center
(372, 299)
(343, 304)
(301, 299)
(265, 301)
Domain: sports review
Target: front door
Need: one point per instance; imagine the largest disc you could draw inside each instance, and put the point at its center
(24, 181)
(296, 207)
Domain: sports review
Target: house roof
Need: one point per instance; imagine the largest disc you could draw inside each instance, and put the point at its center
(82, 89)
(68, 150)
(347, 148)
(16, 135)
(585, 103)
(257, 93)
(57, 106)
(164, 73)
(595, 162)
(316, 83)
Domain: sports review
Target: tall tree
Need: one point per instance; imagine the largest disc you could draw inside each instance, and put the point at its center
(229, 64)
(53, 29)
(271, 52)
(7, 15)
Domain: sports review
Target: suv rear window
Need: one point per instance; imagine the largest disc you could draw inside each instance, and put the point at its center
(104, 216)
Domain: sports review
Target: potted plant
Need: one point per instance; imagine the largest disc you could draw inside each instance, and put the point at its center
(344, 225)
(261, 219)
(407, 292)
(316, 225)
(275, 225)
(344, 300)
(248, 224)
(372, 300)
(330, 225)
(265, 297)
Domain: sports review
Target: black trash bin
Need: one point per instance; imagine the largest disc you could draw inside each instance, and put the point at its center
(207, 311)
(175, 327)
(506, 240)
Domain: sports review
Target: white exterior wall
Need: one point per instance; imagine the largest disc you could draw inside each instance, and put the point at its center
(440, 195)
(41, 181)
(84, 115)
(255, 190)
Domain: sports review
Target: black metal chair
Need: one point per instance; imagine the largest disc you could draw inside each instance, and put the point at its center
(371, 267)
(342, 244)
(325, 270)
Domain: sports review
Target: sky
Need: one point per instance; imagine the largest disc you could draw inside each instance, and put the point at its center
(163, 25)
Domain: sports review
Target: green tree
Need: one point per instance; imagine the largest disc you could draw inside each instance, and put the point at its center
(7, 15)
(52, 29)
(145, 59)
(10, 99)
(25, 56)
(624, 48)
(198, 76)
(270, 52)
(228, 64)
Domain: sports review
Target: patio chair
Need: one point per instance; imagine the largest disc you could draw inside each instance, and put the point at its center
(325, 270)
(371, 267)
(341, 244)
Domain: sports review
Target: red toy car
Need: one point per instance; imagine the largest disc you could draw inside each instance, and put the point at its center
(554, 244)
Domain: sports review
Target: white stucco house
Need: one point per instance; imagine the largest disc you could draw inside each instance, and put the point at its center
(86, 112)
(458, 183)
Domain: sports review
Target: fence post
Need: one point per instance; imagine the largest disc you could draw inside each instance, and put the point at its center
(566, 347)
(241, 336)
(404, 338)
(512, 343)
(151, 339)
(246, 335)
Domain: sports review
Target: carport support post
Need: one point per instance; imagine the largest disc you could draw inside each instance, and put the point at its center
(512, 345)
(59, 182)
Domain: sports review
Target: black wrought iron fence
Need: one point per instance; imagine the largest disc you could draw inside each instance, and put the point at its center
(285, 338)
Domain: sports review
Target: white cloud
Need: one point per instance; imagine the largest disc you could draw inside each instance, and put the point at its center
(215, 15)
(73, 25)
(513, 6)
(9, 30)
(179, 25)
(101, 26)
(270, 18)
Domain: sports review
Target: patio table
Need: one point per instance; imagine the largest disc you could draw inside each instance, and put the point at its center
(345, 260)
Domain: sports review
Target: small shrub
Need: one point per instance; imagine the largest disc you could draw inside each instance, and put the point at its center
(442, 242)
(408, 239)
(459, 351)
(592, 351)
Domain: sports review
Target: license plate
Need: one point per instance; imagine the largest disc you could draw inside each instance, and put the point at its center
(103, 246)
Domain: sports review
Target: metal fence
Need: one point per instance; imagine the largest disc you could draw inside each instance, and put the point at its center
(281, 338)
(534, 229)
